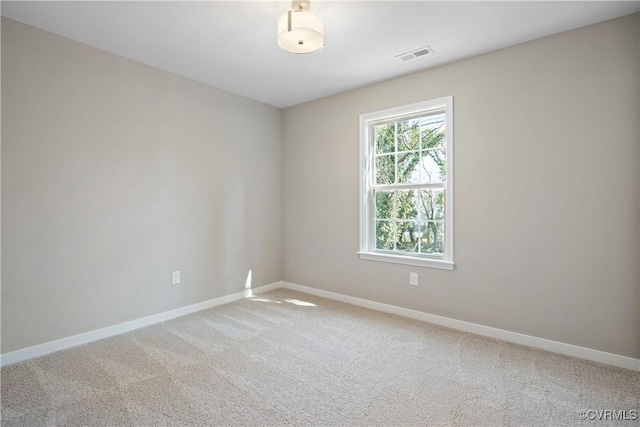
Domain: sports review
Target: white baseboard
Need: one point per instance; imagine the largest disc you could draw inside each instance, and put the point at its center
(264, 288)
(487, 331)
(87, 337)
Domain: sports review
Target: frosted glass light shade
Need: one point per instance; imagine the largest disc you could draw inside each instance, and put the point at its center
(300, 31)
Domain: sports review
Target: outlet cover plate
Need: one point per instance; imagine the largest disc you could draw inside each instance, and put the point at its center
(413, 279)
(175, 277)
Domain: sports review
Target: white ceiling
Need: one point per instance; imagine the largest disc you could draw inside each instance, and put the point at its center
(231, 44)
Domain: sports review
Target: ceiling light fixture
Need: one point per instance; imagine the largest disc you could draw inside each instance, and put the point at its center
(299, 30)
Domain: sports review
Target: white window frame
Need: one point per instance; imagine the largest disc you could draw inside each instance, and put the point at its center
(367, 146)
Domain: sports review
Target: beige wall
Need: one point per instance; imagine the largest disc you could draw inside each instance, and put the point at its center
(113, 175)
(546, 190)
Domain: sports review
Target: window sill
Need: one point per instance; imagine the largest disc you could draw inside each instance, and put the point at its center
(407, 260)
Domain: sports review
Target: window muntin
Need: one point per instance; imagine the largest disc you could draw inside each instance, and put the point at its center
(406, 206)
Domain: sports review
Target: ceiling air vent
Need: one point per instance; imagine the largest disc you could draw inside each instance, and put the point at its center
(408, 56)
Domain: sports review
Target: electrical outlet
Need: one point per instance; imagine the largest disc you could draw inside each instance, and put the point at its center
(175, 277)
(413, 279)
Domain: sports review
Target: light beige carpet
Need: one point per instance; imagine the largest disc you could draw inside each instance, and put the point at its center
(290, 358)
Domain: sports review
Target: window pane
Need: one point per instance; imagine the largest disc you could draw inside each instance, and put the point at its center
(433, 131)
(385, 138)
(385, 169)
(432, 238)
(407, 197)
(408, 135)
(434, 165)
(384, 204)
(408, 167)
(384, 235)
(407, 239)
(406, 204)
(431, 204)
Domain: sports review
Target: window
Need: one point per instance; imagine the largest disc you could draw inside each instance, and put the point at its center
(406, 191)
